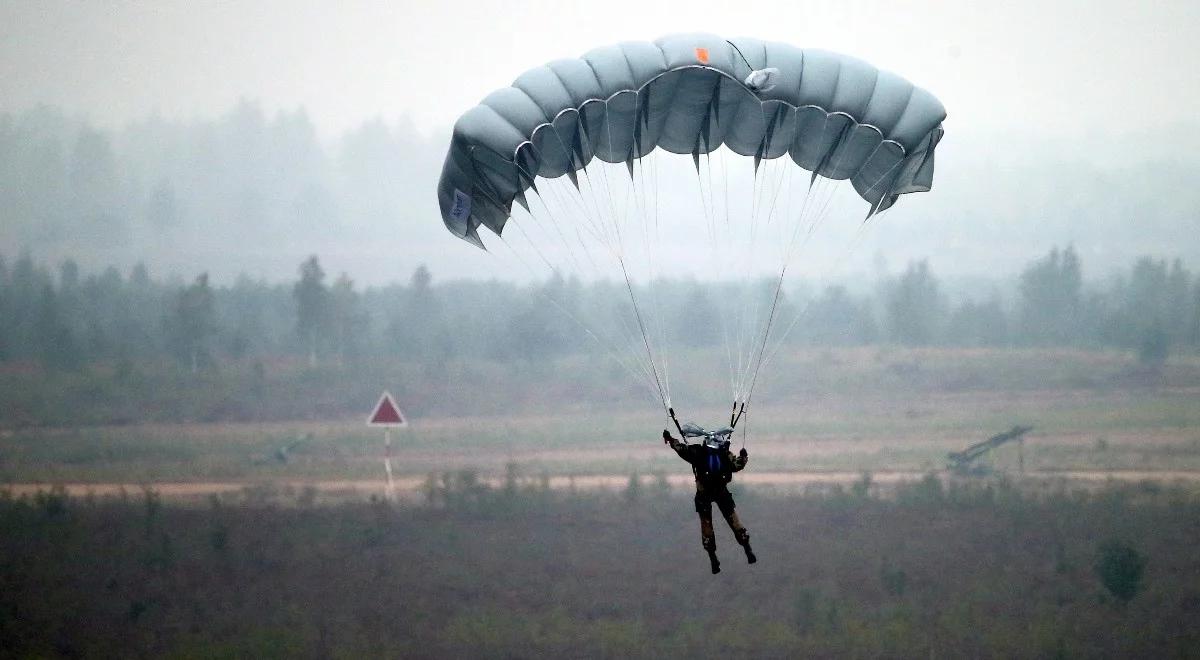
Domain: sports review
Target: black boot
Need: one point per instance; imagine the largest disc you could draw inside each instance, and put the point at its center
(750, 558)
(716, 563)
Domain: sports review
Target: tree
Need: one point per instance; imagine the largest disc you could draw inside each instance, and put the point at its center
(312, 307)
(698, 323)
(914, 306)
(348, 321)
(544, 326)
(1051, 299)
(1154, 346)
(978, 324)
(5, 311)
(1119, 567)
(836, 319)
(1178, 305)
(1193, 323)
(420, 329)
(26, 294)
(192, 323)
(137, 328)
(56, 343)
(95, 189)
(162, 208)
(1142, 308)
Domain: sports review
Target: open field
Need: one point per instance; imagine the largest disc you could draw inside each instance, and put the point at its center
(566, 529)
(888, 412)
(973, 570)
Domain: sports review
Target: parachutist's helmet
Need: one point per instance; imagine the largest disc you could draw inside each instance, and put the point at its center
(718, 439)
(716, 442)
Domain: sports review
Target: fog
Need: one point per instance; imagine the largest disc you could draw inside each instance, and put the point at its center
(220, 241)
(231, 140)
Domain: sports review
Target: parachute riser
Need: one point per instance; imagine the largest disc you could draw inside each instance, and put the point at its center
(734, 419)
(678, 427)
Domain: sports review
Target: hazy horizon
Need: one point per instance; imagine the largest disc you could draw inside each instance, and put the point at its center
(1069, 124)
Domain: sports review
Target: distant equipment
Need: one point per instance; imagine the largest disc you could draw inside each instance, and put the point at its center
(963, 462)
(283, 454)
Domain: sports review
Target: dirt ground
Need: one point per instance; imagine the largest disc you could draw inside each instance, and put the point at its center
(411, 489)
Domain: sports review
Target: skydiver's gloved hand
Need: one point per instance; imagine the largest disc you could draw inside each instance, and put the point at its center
(666, 437)
(743, 453)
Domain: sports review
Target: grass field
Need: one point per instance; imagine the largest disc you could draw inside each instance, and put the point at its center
(852, 411)
(976, 570)
(560, 526)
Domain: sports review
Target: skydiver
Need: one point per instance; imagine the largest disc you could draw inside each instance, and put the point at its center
(713, 465)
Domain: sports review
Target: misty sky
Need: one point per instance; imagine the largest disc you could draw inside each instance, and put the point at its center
(1078, 66)
(1032, 87)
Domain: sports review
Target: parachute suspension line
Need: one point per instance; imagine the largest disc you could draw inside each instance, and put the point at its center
(740, 54)
(817, 220)
(777, 187)
(652, 269)
(567, 244)
(729, 352)
(643, 378)
(534, 246)
(665, 396)
(594, 218)
(704, 182)
(744, 289)
(597, 228)
(766, 332)
(619, 251)
(628, 331)
(589, 222)
(766, 190)
(557, 218)
(753, 359)
(779, 342)
(733, 244)
(859, 234)
(764, 181)
(578, 199)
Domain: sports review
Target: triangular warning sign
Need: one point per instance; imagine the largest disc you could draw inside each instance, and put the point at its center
(387, 413)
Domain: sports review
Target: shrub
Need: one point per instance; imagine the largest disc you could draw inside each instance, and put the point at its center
(1119, 567)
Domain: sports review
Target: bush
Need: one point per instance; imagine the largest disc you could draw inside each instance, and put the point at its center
(1119, 567)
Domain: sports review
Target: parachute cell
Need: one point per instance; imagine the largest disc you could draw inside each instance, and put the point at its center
(834, 115)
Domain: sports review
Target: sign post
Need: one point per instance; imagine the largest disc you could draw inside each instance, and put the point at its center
(387, 415)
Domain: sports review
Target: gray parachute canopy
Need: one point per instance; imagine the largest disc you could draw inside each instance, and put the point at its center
(834, 115)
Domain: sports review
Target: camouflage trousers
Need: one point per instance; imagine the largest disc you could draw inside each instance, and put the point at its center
(724, 502)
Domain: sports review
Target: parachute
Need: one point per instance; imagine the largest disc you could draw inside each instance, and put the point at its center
(576, 149)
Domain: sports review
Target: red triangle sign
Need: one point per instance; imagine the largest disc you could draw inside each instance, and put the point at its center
(387, 413)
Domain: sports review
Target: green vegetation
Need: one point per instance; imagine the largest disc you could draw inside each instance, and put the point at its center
(520, 570)
(114, 349)
(1131, 429)
(1119, 567)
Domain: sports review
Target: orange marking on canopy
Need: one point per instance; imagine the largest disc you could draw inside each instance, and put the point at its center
(702, 55)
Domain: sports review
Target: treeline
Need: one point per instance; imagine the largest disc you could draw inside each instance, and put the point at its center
(63, 319)
(241, 176)
(228, 184)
